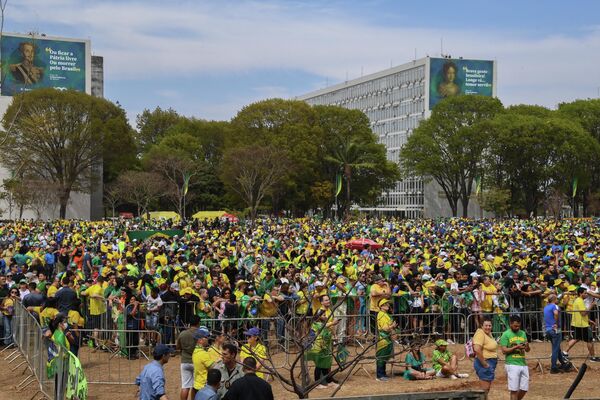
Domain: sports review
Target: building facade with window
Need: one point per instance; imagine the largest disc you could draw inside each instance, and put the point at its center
(395, 101)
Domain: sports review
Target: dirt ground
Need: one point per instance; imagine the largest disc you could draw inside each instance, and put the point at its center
(100, 367)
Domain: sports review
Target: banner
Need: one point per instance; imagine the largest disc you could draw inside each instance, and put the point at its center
(37, 62)
(77, 387)
(451, 77)
(153, 234)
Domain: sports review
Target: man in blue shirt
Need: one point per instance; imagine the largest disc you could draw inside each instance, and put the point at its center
(552, 326)
(152, 379)
(213, 383)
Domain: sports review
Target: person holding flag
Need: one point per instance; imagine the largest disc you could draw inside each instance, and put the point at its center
(385, 345)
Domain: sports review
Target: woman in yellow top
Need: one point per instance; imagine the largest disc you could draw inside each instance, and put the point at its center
(385, 345)
(8, 311)
(486, 355)
(254, 349)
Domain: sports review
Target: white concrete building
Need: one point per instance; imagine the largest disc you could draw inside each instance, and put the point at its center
(395, 101)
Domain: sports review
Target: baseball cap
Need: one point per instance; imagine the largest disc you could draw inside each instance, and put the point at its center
(441, 342)
(252, 332)
(201, 333)
(175, 286)
(162, 349)
(382, 302)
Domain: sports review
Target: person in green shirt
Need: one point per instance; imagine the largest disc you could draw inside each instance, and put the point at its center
(444, 362)
(514, 345)
(415, 370)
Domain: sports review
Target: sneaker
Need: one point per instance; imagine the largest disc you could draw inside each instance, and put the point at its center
(556, 370)
(537, 340)
(462, 376)
(595, 359)
(565, 354)
(383, 379)
(334, 385)
(321, 387)
(453, 377)
(568, 367)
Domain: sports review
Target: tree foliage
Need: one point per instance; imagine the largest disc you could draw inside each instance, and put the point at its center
(531, 154)
(253, 172)
(153, 125)
(450, 146)
(58, 137)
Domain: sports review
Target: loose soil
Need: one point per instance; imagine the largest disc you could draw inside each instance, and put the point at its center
(100, 367)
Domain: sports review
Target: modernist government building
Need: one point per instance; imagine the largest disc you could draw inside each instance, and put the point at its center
(395, 101)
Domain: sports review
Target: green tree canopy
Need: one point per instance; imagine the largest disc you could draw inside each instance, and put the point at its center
(449, 147)
(153, 125)
(60, 136)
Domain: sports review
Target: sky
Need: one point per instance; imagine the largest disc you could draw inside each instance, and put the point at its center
(208, 59)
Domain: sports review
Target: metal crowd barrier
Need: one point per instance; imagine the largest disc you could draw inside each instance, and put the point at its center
(114, 356)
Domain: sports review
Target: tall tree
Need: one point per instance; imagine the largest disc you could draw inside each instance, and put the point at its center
(57, 136)
(587, 113)
(449, 146)
(252, 172)
(291, 127)
(140, 188)
(531, 154)
(351, 148)
(153, 125)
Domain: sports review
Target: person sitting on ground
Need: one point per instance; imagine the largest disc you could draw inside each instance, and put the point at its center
(414, 360)
(445, 363)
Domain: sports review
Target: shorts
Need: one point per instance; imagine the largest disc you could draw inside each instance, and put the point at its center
(518, 377)
(187, 375)
(584, 334)
(152, 322)
(486, 374)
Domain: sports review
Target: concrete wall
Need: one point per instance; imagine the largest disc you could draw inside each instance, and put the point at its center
(436, 204)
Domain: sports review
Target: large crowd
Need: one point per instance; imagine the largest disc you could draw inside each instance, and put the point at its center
(440, 278)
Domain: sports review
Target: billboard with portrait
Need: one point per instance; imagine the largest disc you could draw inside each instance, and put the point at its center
(451, 77)
(39, 62)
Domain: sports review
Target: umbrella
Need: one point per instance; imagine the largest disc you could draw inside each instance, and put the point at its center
(230, 217)
(360, 244)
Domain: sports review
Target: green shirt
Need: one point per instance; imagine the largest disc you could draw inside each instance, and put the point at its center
(510, 339)
(438, 355)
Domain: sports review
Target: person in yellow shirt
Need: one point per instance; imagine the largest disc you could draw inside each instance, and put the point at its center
(254, 349)
(490, 290)
(320, 290)
(53, 288)
(580, 323)
(385, 345)
(201, 358)
(150, 257)
(380, 289)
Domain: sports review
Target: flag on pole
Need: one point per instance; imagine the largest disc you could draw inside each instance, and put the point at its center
(574, 187)
(338, 184)
(478, 185)
(186, 182)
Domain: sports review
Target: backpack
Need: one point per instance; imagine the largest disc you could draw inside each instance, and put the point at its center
(469, 350)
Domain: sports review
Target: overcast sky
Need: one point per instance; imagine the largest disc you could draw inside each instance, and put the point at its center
(210, 58)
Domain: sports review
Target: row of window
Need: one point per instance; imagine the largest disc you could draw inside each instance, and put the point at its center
(408, 83)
